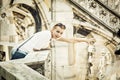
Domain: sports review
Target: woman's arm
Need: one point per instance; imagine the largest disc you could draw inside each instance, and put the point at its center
(74, 40)
(42, 49)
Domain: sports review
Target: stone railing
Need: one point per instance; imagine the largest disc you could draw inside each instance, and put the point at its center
(35, 66)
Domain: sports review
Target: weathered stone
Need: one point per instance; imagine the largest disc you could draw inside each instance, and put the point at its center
(19, 69)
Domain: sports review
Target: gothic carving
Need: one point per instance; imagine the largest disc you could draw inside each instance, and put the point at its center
(3, 15)
(114, 20)
(93, 4)
(103, 12)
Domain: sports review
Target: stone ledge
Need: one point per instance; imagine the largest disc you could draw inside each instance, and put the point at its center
(19, 69)
(13, 71)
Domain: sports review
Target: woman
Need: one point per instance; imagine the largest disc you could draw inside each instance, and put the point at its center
(42, 39)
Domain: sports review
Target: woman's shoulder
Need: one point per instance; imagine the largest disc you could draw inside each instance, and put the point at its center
(43, 33)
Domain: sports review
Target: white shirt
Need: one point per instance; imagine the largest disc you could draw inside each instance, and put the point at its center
(38, 41)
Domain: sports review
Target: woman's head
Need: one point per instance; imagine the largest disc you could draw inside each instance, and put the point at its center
(58, 30)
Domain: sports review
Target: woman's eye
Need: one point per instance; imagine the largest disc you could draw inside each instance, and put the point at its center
(58, 31)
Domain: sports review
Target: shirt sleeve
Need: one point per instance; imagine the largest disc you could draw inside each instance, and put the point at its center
(42, 39)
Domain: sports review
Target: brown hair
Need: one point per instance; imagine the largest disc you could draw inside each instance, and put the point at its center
(62, 26)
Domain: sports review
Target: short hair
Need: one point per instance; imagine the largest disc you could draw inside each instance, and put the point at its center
(62, 26)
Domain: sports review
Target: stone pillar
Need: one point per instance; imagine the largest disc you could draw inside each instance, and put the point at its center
(81, 60)
(63, 13)
(63, 53)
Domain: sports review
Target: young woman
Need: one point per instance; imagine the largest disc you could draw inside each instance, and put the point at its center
(42, 39)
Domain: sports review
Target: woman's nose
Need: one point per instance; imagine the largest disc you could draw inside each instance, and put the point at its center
(59, 35)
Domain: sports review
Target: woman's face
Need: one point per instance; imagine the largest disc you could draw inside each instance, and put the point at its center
(57, 32)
